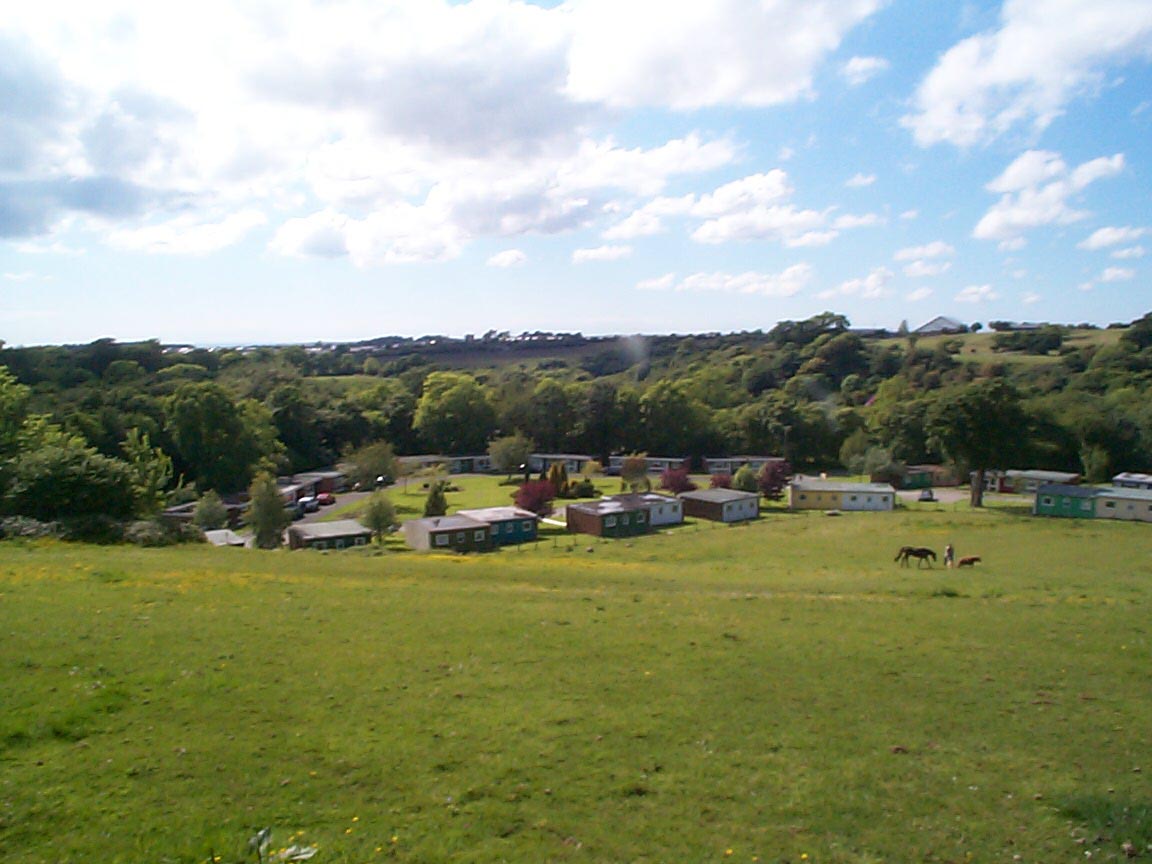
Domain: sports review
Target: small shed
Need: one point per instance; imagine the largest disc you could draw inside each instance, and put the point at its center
(1128, 504)
(1065, 500)
(447, 534)
(340, 534)
(607, 518)
(662, 509)
(506, 525)
(721, 505)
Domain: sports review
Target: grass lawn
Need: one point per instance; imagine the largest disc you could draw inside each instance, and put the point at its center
(777, 692)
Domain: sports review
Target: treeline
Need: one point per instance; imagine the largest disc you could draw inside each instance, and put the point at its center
(114, 428)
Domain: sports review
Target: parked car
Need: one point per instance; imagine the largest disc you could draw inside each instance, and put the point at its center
(309, 504)
(927, 495)
(325, 498)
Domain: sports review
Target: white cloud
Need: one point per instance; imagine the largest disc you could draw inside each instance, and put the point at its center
(507, 258)
(862, 220)
(1102, 238)
(919, 294)
(24, 276)
(1031, 298)
(859, 181)
(188, 235)
(1117, 274)
(786, 283)
(704, 54)
(859, 70)
(977, 294)
(1043, 54)
(935, 249)
(871, 287)
(1129, 253)
(1035, 190)
(909, 215)
(661, 283)
(924, 269)
(601, 253)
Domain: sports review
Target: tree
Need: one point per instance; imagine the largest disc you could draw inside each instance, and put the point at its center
(509, 452)
(371, 462)
(981, 425)
(220, 442)
(379, 515)
(266, 512)
(436, 504)
(454, 414)
(634, 473)
(151, 471)
(60, 477)
(535, 495)
(773, 479)
(210, 512)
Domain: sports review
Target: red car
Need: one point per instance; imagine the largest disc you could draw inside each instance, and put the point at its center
(325, 498)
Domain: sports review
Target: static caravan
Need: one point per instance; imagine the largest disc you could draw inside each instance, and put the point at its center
(812, 494)
(662, 509)
(1066, 501)
(721, 505)
(607, 518)
(447, 534)
(1131, 480)
(328, 535)
(1128, 504)
(506, 525)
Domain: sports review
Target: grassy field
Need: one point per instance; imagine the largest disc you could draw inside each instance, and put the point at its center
(778, 692)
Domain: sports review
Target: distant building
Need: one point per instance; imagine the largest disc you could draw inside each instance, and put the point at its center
(656, 464)
(940, 325)
(732, 464)
(1127, 504)
(1130, 480)
(573, 462)
(1067, 501)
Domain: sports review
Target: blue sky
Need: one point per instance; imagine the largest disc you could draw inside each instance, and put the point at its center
(307, 170)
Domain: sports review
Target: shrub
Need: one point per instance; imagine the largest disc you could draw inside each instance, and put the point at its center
(536, 495)
(723, 480)
(676, 480)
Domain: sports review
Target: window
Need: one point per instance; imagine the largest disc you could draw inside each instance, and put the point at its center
(640, 517)
(1046, 501)
(460, 535)
(320, 544)
(609, 521)
(361, 541)
(853, 498)
(495, 530)
(479, 536)
(1111, 505)
(340, 543)
(526, 525)
(441, 539)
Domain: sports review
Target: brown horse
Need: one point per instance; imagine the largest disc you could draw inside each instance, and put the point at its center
(918, 552)
(969, 561)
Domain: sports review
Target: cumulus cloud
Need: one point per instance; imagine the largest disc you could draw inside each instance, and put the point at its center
(1102, 238)
(1129, 253)
(977, 294)
(1036, 190)
(871, 287)
(706, 54)
(923, 269)
(859, 181)
(188, 235)
(859, 70)
(787, 283)
(601, 253)
(1043, 54)
(935, 249)
(507, 258)
(918, 294)
(1117, 274)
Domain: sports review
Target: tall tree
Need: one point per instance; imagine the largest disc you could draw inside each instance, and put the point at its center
(454, 415)
(379, 515)
(151, 471)
(510, 452)
(266, 512)
(981, 425)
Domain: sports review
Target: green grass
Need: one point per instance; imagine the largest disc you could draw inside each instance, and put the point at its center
(765, 692)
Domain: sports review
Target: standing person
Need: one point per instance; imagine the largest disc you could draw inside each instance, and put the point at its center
(949, 555)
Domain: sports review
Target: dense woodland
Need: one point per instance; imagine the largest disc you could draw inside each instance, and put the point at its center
(116, 430)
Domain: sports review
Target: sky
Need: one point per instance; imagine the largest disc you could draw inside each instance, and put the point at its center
(223, 172)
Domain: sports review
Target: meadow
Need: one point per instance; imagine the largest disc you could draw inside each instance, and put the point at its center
(777, 692)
